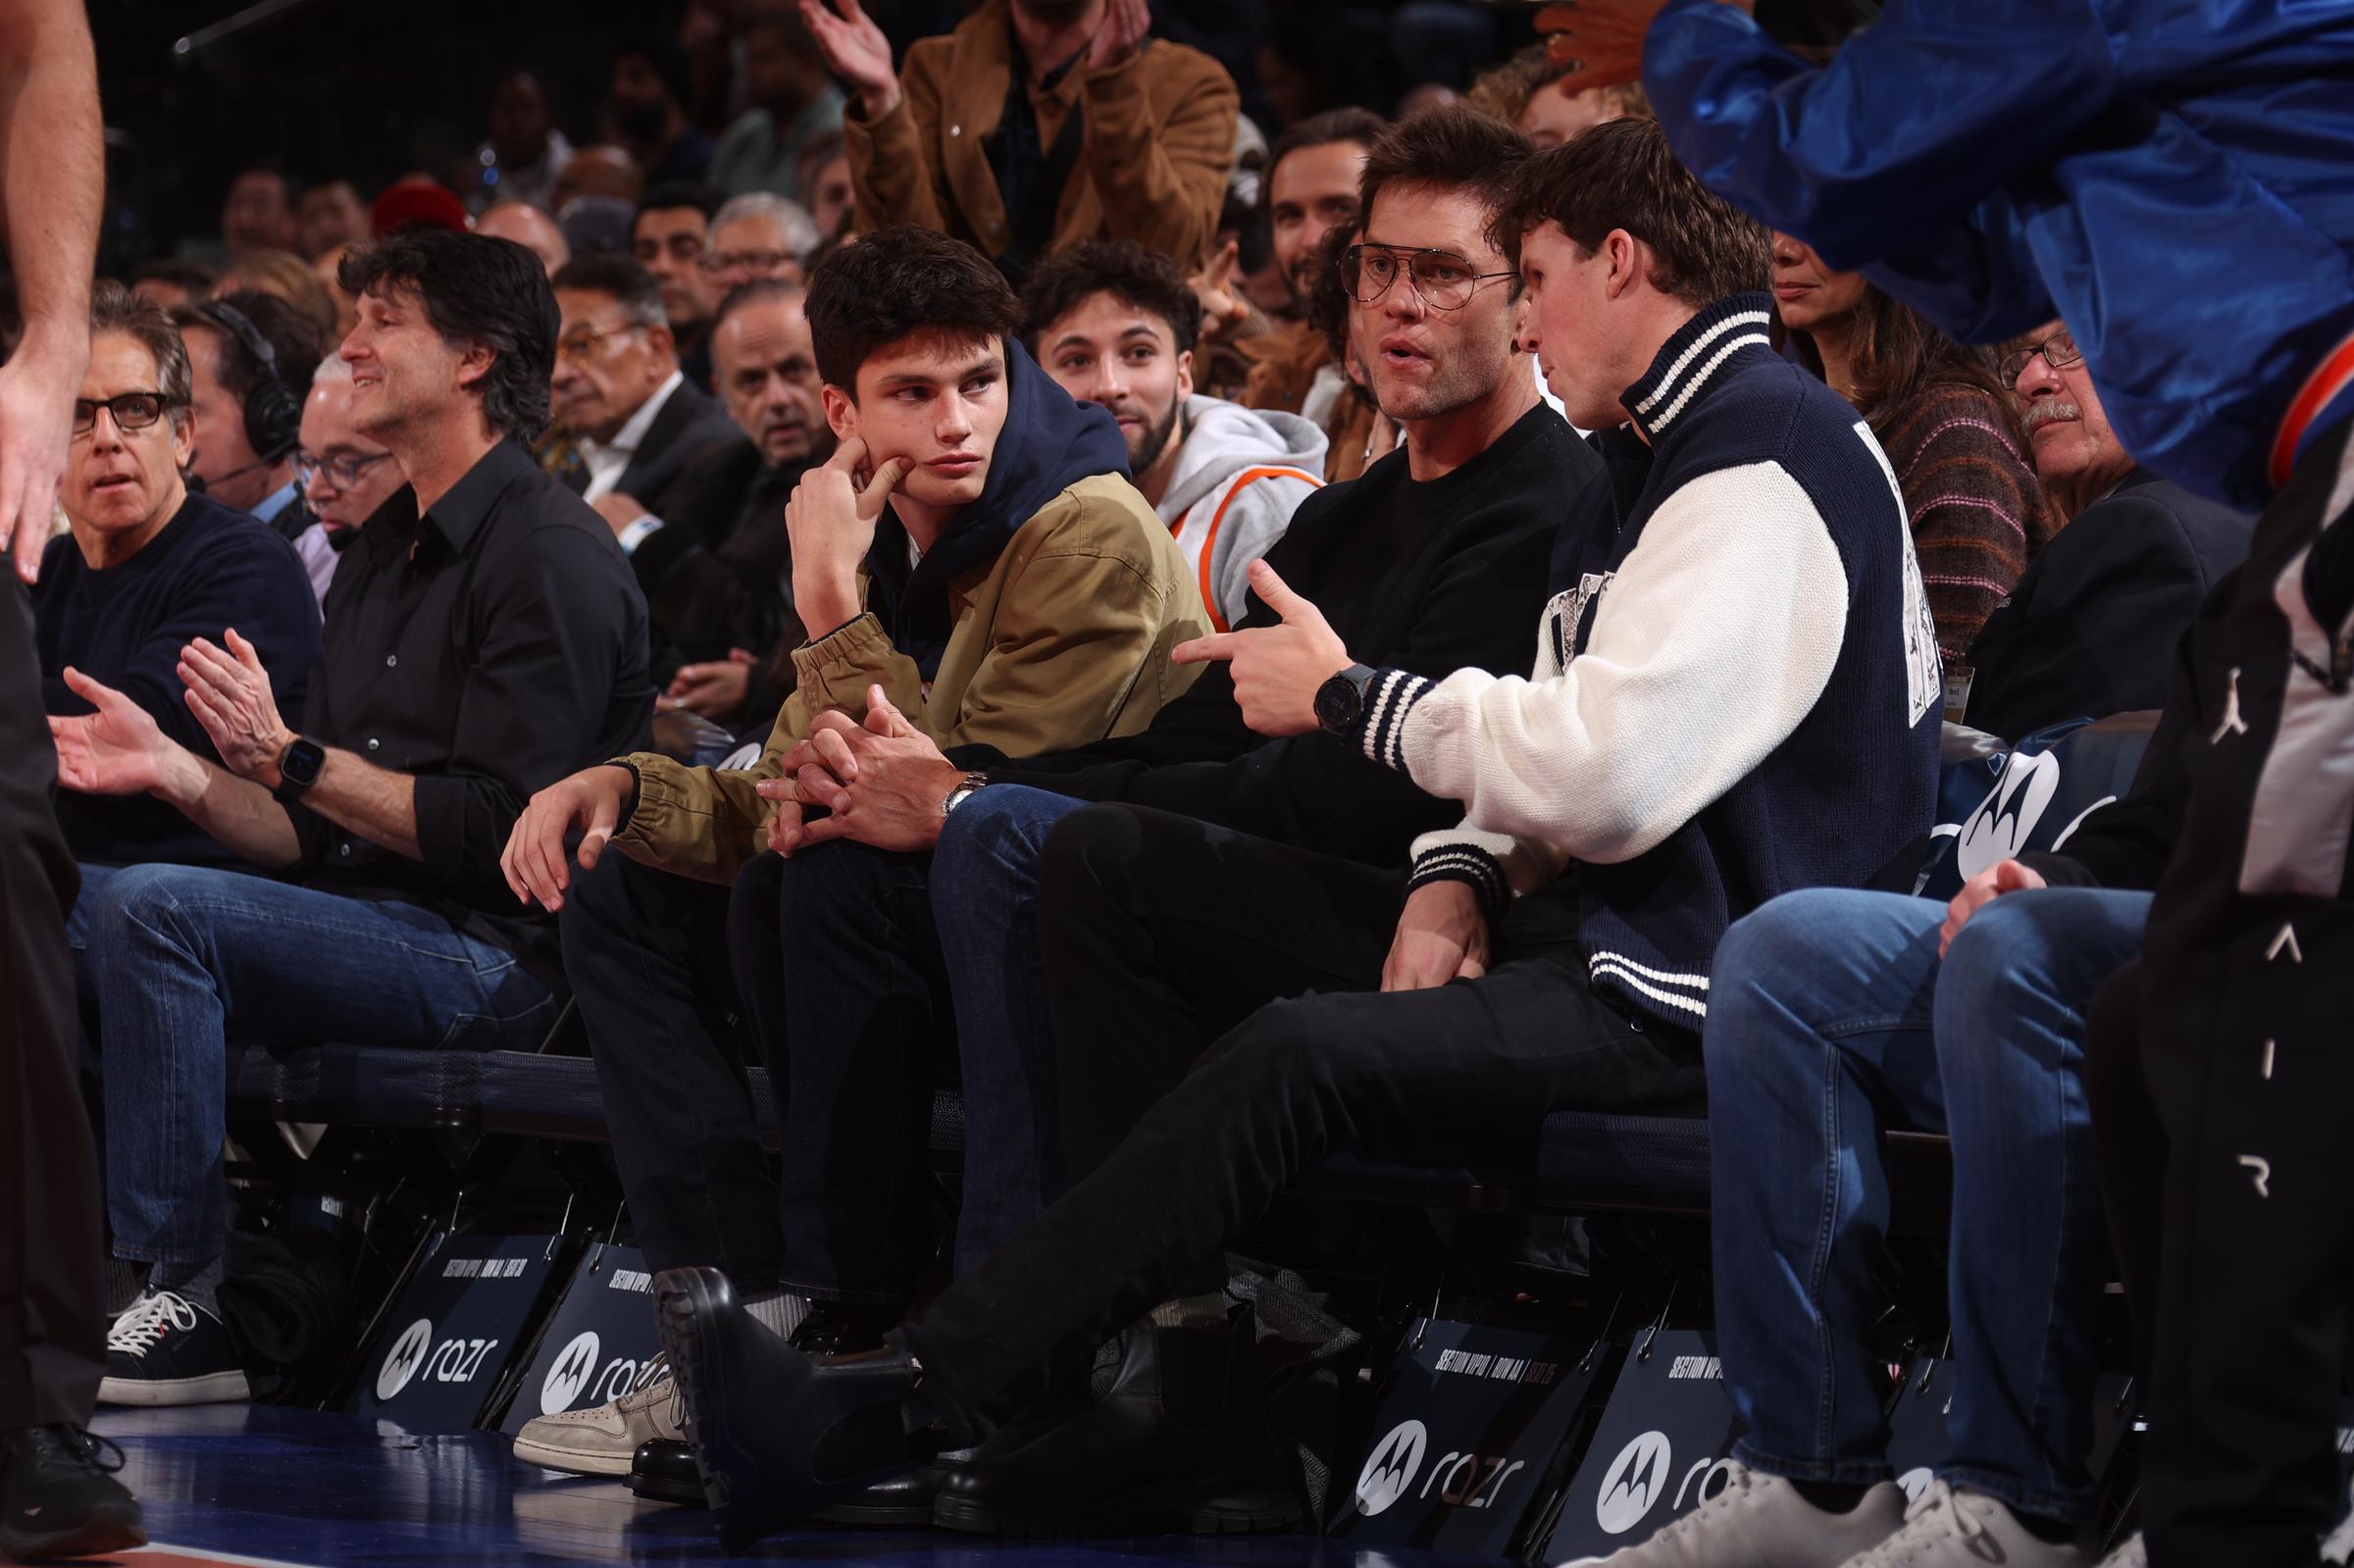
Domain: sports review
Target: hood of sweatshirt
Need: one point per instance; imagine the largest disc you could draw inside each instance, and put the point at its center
(1049, 445)
(1223, 438)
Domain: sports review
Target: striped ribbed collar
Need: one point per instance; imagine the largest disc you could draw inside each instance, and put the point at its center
(1688, 360)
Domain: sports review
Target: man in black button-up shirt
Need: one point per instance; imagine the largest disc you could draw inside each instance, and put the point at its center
(487, 639)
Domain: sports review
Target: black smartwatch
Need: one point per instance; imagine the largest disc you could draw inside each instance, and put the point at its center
(299, 769)
(1341, 700)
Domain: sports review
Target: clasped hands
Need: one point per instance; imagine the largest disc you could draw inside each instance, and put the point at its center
(882, 783)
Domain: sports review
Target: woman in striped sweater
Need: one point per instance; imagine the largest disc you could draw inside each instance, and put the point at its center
(1950, 431)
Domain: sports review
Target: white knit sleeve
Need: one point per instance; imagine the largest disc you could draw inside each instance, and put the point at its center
(1712, 641)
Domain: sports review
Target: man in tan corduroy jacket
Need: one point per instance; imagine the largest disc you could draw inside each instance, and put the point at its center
(976, 550)
(1035, 126)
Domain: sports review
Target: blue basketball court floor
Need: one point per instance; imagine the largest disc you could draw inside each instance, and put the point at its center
(275, 1486)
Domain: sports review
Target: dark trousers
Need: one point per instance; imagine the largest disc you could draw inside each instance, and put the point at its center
(840, 967)
(2230, 1108)
(2237, 1273)
(52, 1331)
(1219, 1034)
(646, 954)
(827, 967)
(2129, 1144)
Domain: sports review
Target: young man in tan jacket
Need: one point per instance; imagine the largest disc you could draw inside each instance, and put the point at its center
(981, 560)
(1037, 124)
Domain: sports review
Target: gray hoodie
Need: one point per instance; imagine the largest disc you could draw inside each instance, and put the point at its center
(1239, 476)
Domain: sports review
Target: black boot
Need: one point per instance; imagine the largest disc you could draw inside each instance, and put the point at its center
(776, 1435)
(1179, 1441)
(664, 1470)
(57, 1499)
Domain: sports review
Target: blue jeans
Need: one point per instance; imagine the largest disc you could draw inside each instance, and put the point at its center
(181, 958)
(1831, 1020)
(985, 903)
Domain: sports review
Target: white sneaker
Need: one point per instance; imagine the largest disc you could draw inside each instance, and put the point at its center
(1965, 1529)
(1759, 1521)
(2131, 1553)
(604, 1440)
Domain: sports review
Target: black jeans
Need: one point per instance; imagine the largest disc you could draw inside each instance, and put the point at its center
(646, 954)
(840, 967)
(2237, 1273)
(1219, 1034)
(826, 967)
(52, 1331)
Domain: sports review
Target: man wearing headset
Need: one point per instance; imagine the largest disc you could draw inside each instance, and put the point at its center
(253, 355)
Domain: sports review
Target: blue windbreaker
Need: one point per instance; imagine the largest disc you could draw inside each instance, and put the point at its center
(2174, 179)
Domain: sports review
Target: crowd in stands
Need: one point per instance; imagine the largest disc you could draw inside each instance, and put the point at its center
(1230, 648)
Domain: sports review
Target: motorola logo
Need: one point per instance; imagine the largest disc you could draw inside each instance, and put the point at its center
(2005, 821)
(1391, 1467)
(406, 1356)
(1635, 1481)
(570, 1374)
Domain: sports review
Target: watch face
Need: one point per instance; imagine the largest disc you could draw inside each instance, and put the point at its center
(301, 762)
(1337, 703)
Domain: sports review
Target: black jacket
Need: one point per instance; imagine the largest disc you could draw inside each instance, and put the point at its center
(716, 577)
(1430, 578)
(690, 425)
(2089, 631)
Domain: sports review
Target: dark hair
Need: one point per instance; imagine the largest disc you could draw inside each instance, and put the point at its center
(759, 291)
(474, 289)
(899, 282)
(1449, 148)
(666, 60)
(115, 309)
(271, 168)
(782, 19)
(605, 272)
(193, 276)
(292, 334)
(1326, 307)
(1898, 355)
(1623, 174)
(671, 195)
(1121, 268)
(1320, 131)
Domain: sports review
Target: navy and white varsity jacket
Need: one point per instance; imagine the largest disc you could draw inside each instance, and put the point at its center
(1736, 688)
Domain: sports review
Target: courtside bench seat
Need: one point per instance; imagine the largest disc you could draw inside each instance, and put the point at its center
(1585, 1162)
(1996, 800)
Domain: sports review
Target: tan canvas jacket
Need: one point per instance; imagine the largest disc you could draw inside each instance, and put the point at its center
(1062, 639)
(1153, 167)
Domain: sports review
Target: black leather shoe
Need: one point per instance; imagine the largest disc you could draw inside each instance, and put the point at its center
(1179, 1441)
(776, 1435)
(665, 1471)
(57, 1499)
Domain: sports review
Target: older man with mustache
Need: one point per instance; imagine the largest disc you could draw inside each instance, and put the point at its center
(2090, 629)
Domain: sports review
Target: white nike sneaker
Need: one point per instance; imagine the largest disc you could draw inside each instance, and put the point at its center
(2131, 1553)
(602, 1441)
(1966, 1528)
(1759, 1521)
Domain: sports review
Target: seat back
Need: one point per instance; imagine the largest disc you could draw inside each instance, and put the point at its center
(1993, 802)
